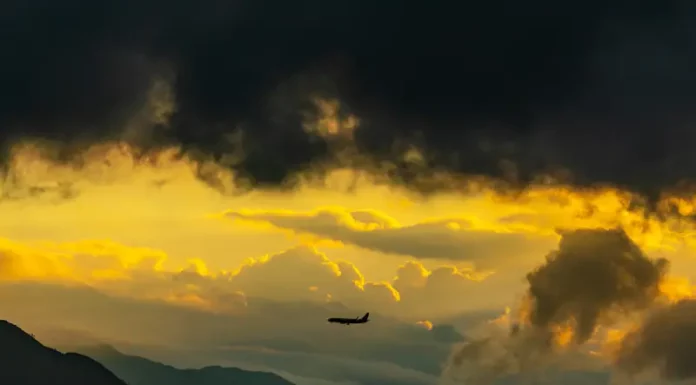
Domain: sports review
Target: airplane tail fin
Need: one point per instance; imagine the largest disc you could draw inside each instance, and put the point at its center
(365, 317)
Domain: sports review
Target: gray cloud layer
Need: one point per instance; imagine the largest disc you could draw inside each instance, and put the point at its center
(433, 240)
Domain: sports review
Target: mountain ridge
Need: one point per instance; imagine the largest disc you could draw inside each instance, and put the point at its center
(26, 361)
(142, 371)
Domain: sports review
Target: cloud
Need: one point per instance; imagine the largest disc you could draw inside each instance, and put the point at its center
(304, 273)
(586, 88)
(78, 261)
(663, 342)
(622, 278)
(138, 272)
(278, 302)
(434, 291)
(558, 295)
(494, 355)
(452, 239)
(414, 292)
(300, 273)
(596, 277)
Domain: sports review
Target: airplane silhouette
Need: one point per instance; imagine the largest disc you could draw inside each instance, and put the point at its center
(349, 321)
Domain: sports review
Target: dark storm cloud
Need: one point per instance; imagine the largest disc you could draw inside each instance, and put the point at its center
(602, 88)
(592, 273)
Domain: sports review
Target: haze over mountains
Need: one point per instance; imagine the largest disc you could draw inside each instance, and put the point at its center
(25, 361)
(287, 337)
(28, 362)
(141, 371)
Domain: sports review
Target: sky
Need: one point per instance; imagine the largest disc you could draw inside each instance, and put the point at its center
(506, 188)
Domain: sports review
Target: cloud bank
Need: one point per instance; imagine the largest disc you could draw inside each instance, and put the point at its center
(507, 90)
(596, 280)
(300, 273)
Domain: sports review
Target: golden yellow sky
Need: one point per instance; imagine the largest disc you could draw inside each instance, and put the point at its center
(121, 217)
(146, 253)
(372, 245)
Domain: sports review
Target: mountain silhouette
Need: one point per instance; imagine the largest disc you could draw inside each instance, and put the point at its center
(141, 371)
(25, 361)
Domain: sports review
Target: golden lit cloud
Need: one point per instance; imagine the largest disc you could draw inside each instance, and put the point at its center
(298, 274)
(289, 276)
(83, 262)
(426, 324)
(449, 239)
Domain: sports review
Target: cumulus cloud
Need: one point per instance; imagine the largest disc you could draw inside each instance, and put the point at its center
(138, 272)
(593, 279)
(433, 291)
(304, 273)
(415, 291)
(453, 239)
(592, 273)
(300, 273)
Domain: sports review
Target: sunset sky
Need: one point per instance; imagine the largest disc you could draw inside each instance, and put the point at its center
(507, 188)
(174, 266)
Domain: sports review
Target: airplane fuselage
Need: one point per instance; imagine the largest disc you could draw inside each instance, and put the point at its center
(346, 321)
(350, 321)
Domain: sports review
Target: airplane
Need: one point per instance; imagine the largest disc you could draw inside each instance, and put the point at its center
(349, 321)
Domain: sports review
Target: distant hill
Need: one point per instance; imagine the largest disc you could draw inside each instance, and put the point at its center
(25, 361)
(141, 371)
